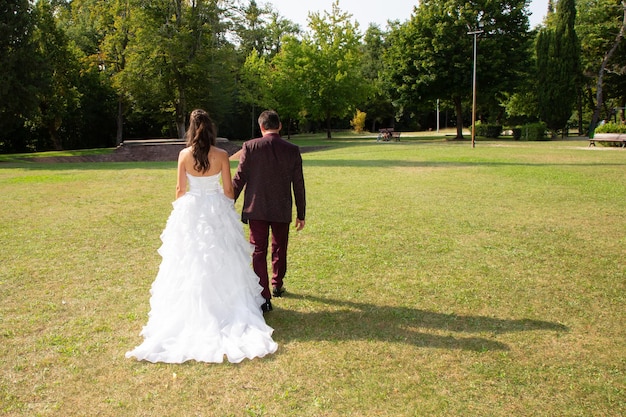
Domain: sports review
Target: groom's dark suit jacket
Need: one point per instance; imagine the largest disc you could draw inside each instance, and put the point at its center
(269, 169)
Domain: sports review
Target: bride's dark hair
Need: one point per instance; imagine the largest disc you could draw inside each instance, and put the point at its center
(200, 137)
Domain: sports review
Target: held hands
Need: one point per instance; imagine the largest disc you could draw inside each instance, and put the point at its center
(299, 225)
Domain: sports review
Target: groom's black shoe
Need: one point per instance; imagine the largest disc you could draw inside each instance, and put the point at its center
(266, 306)
(278, 292)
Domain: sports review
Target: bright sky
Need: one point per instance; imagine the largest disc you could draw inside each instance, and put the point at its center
(371, 11)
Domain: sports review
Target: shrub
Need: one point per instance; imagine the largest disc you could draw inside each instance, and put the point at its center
(358, 121)
(532, 131)
(488, 130)
(611, 128)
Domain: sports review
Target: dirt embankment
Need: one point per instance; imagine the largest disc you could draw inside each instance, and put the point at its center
(136, 151)
(159, 150)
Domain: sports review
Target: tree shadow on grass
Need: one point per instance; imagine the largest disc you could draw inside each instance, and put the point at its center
(360, 321)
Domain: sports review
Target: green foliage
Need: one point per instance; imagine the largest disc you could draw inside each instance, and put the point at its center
(261, 29)
(261, 35)
(521, 107)
(73, 71)
(272, 85)
(330, 66)
(532, 131)
(58, 95)
(358, 121)
(250, 28)
(318, 78)
(173, 55)
(254, 81)
(430, 57)
(611, 128)
(287, 82)
(597, 23)
(378, 104)
(20, 74)
(19, 59)
(488, 130)
(558, 67)
(603, 55)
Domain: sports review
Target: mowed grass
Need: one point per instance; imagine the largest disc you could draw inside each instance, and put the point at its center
(432, 279)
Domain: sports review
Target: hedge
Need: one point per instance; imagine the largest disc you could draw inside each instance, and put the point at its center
(488, 130)
(533, 131)
(611, 128)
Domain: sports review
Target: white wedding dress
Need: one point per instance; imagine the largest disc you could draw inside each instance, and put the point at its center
(206, 299)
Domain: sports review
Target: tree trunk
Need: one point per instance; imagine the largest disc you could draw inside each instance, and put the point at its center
(54, 137)
(253, 122)
(119, 136)
(56, 143)
(53, 125)
(180, 114)
(180, 128)
(328, 132)
(581, 130)
(459, 117)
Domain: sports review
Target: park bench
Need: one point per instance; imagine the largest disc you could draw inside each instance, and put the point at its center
(388, 134)
(609, 137)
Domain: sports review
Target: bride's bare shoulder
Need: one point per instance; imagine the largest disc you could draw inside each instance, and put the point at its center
(218, 152)
(217, 149)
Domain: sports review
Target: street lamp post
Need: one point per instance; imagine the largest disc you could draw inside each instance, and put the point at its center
(475, 33)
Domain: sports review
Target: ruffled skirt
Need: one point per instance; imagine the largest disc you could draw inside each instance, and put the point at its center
(205, 301)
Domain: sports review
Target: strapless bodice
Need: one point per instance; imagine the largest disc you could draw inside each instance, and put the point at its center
(204, 185)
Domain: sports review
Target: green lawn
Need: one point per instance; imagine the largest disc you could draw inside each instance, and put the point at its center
(432, 279)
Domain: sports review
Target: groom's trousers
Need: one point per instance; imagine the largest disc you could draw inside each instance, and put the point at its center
(259, 237)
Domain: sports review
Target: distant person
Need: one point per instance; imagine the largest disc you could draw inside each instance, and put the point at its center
(270, 169)
(205, 299)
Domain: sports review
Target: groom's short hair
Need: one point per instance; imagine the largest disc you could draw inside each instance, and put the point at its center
(269, 120)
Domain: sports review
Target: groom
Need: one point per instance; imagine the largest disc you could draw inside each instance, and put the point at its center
(269, 169)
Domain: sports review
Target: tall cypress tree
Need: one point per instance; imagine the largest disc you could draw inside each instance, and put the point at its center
(558, 67)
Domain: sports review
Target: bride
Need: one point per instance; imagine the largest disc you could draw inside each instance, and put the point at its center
(205, 301)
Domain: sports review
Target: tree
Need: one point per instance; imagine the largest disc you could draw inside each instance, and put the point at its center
(113, 49)
(179, 58)
(378, 105)
(287, 82)
(331, 66)
(250, 27)
(19, 76)
(261, 29)
(558, 67)
(101, 29)
(254, 88)
(58, 96)
(275, 84)
(601, 25)
(279, 28)
(430, 56)
(260, 33)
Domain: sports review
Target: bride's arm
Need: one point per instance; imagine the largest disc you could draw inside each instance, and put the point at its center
(227, 182)
(181, 182)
